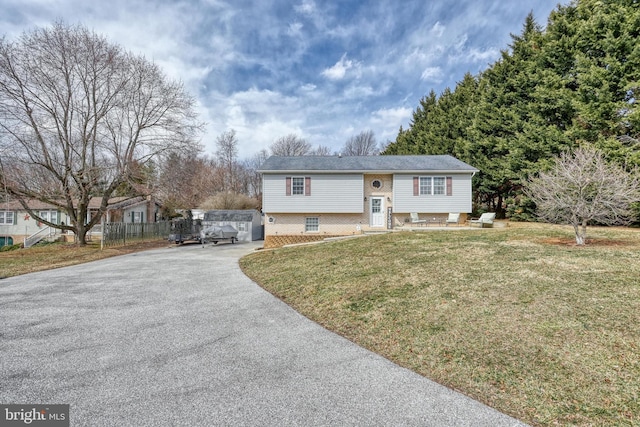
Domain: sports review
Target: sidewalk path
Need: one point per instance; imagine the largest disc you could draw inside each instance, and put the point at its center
(180, 337)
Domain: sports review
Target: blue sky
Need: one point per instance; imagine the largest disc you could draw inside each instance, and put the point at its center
(324, 70)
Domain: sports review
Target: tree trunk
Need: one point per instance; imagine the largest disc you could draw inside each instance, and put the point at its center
(81, 233)
(581, 232)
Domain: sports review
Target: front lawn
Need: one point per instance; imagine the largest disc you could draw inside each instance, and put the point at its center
(518, 318)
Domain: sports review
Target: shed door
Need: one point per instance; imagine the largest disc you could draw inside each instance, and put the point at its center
(377, 212)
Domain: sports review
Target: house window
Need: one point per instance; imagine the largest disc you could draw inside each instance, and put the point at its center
(6, 217)
(377, 184)
(51, 216)
(297, 186)
(242, 226)
(435, 185)
(312, 224)
(439, 185)
(425, 185)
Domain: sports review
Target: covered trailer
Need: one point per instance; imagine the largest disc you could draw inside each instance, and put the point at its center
(217, 233)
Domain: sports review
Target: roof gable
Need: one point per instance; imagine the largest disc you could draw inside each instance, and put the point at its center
(338, 164)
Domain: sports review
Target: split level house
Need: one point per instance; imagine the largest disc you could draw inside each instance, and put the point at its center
(312, 197)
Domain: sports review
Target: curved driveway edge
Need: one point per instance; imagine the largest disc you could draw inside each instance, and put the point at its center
(179, 336)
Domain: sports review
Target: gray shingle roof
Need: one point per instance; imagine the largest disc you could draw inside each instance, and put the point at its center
(441, 163)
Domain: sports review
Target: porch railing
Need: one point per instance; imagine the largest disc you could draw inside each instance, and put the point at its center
(38, 235)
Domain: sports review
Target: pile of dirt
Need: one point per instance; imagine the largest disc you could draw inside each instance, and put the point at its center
(568, 241)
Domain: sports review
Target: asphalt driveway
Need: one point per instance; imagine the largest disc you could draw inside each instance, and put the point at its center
(179, 336)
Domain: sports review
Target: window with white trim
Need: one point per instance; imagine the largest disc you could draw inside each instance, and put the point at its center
(425, 185)
(6, 217)
(433, 185)
(439, 185)
(312, 224)
(51, 216)
(297, 186)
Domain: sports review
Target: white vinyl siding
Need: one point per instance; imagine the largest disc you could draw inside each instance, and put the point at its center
(330, 193)
(405, 201)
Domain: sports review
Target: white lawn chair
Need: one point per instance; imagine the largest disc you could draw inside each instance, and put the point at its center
(486, 219)
(415, 219)
(454, 218)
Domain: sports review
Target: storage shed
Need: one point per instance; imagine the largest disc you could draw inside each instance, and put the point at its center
(247, 222)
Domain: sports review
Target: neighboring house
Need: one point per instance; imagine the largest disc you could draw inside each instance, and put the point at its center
(16, 224)
(247, 222)
(311, 197)
(134, 210)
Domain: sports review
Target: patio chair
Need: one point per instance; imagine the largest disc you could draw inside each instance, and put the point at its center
(453, 218)
(415, 219)
(485, 219)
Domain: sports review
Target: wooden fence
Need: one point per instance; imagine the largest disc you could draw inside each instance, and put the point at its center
(122, 233)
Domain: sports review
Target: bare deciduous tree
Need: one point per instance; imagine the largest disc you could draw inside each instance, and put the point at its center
(229, 200)
(363, 144)
(227, 155)
(186, 180)
(253, 177)
(322, 150)
(79, 116)
(583, 187)
(290, 145)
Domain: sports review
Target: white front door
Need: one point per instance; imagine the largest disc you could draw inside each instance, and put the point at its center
(377, 212)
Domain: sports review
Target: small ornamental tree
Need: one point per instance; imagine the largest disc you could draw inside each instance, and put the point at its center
(582, 188)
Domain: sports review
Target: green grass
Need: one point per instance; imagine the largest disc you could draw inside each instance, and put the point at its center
(518, 318)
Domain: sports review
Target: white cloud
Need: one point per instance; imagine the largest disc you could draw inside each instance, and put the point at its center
(438, 29)
(295, 29)
(387, 122)
(258, 116)
(487, 55)
(359, 91)
(307, 7)
(391, 115)
(432, 74)
(339, 70)
(461, 42)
